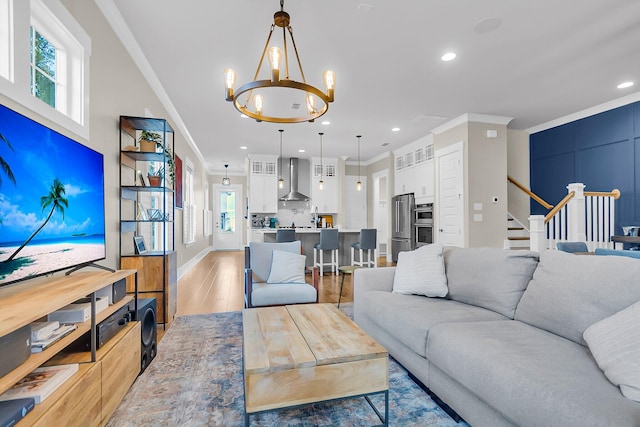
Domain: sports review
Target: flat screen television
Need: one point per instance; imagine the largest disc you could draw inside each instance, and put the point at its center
(51, 200)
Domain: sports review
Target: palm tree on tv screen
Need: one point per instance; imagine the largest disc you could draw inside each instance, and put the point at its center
(56, 200)
(4, 166)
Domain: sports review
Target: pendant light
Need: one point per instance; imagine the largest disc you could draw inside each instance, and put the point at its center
(281, 180)
(226, 180)
(321, 183)
(359, 183)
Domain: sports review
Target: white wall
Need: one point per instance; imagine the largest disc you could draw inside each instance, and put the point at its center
(118, 88)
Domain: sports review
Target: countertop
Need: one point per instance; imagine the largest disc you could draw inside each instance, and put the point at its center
(300, 230)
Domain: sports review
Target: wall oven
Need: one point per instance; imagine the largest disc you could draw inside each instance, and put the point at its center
(423, 224)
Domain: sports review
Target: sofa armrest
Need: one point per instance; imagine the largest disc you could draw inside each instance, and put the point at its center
(372, 279)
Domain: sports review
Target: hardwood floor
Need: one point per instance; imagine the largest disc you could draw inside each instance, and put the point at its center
(215, 285)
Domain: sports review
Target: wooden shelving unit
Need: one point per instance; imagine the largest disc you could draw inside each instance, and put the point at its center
(84, 396)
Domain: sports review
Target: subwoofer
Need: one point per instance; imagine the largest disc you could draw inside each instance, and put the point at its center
(146, 315)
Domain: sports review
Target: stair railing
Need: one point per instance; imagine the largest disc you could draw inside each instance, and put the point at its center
(529, 193)
(581, 216)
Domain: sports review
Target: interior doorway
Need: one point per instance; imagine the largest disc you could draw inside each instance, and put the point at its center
(227, 217)
(381, 211)
(450, 196)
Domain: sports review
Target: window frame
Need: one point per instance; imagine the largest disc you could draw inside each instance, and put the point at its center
(55, 23)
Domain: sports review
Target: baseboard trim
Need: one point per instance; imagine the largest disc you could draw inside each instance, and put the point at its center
(184, 269)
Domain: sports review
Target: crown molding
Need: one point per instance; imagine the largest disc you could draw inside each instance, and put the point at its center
(472, 117)
(122, 31)
(616, 103)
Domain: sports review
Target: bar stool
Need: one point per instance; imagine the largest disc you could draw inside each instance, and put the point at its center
(368, 242)
(328, 242)
(285, 235)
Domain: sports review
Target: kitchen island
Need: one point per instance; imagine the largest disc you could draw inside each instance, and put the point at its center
(309, 237)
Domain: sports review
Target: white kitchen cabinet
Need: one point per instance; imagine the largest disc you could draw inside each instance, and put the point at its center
(328, 199)
(424, 178)
(414, 170)
(263, 184)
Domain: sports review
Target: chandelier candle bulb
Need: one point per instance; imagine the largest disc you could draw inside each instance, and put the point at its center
(329, 78)
(274, 58)
(230, 80)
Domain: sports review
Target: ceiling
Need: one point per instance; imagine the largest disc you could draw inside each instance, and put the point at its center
(546, 59)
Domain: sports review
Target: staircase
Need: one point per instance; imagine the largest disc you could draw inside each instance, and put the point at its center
(517, 235)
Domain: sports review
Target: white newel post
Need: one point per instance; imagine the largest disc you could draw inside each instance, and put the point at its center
(576, 214)
(537, 233)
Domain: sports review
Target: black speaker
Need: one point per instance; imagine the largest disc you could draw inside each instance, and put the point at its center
(146, 315)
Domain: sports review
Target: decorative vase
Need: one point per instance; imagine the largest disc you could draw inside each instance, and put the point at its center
(147, 146)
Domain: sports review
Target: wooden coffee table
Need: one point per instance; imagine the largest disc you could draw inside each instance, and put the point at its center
(300, 354)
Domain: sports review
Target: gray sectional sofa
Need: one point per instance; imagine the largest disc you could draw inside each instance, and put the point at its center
(505, 346)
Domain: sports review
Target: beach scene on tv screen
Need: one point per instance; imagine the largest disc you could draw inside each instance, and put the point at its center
(51, 200)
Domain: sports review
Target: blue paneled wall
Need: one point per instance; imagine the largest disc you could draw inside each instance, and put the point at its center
(601, 151)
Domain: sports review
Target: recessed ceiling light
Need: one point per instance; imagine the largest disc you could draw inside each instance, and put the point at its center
(448, 56)
(625, 85)
(300, 151)
(487, 25)
(243, 148)
(395, 130)
(244, 116)
(326, 122)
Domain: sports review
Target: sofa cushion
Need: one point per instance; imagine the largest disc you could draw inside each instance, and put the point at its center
(569, 292)
(286, 267)
(261, 255)
(531, 376)
(409, 317)
(421, 272)
(615, 344)
(491, 278)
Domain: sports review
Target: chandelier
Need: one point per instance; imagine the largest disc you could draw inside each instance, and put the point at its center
(256, 104)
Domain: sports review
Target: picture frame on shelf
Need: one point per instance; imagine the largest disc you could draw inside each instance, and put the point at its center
(139, 245)
(141, 179)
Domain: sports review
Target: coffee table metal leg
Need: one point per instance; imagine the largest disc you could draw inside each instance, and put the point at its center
(385, 419)
(341, 285)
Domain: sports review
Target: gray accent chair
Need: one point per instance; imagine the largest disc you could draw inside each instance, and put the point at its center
(259, 293)
(328, 242)
(368, 242)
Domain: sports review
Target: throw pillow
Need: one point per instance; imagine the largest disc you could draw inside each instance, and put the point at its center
(286, 267)
(615, 344)
(421, 272)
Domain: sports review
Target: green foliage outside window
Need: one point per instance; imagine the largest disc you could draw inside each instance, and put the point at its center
(43, 68)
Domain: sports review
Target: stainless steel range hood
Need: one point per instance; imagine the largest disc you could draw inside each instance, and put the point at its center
(293, 195)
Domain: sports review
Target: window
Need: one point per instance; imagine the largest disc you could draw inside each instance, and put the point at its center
(189, 210)
(44, 61)
(6, 39)
(42, 57)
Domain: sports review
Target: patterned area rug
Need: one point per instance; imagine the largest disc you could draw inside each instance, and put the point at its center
(196, 380)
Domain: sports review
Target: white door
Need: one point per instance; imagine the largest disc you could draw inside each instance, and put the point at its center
(450, 206)
(227, 217)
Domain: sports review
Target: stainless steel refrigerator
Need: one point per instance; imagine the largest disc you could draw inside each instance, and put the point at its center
(402, 238)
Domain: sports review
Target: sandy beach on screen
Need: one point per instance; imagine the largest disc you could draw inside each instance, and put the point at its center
(45, 258)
